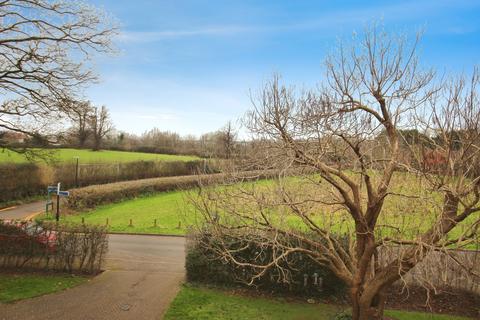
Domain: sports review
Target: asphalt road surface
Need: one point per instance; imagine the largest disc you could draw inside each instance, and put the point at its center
(23, 211)
(143, 275)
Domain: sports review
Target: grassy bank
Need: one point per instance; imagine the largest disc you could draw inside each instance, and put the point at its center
(89, 156)
(199, 303)
(14, 287)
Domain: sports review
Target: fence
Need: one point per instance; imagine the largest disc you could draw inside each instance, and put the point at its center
(459, 269)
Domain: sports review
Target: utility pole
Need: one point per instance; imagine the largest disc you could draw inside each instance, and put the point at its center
(76, 172)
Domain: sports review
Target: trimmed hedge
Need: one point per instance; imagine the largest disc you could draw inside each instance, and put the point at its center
(92, 196)
(205, 265)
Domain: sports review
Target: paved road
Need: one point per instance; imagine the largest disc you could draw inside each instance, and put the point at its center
(22, 211)
(143, 275)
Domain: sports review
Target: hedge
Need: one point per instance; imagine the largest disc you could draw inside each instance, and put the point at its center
(51, 247)
(92, 196)
(306, 278)
(22, 180)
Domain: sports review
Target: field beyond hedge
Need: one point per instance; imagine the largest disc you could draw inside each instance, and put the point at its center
(89, 156)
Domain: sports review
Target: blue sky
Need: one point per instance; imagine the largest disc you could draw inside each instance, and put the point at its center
(188, 66)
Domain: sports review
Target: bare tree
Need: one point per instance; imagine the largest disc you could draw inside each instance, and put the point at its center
(228, 136)
(357, 194)
(43, 47)
(81, 115)
(100, 125)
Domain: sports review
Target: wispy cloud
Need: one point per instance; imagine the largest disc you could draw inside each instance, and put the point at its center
(161, 116)
(326, 21)
(153, 36)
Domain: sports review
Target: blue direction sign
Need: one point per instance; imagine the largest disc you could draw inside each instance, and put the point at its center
(57, 191)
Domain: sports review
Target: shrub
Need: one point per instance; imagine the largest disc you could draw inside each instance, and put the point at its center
(69, 248)
(205, 265)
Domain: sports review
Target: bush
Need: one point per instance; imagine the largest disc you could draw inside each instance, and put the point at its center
(205, 265)
(66, 248)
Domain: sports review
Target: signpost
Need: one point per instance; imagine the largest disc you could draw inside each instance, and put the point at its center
(50, 190)
(59, 193)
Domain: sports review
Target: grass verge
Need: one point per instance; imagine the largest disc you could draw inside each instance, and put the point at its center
(197, 303)
(14, 287)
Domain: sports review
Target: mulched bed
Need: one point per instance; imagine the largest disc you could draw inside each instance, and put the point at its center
(449, 301)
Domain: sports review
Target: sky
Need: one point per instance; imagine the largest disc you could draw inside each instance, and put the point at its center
(190, 66)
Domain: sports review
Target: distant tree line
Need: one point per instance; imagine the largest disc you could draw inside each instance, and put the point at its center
(91, 127)
(222, 143)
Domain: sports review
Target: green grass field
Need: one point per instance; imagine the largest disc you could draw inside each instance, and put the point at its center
(170, 209)
(14, 287)
(174, 214)
(194, 303)
(89, 156)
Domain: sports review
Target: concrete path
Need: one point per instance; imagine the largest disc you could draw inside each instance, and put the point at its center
(24, 211)
(143, 275)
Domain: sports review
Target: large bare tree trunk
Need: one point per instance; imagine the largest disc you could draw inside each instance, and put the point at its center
(365, 308)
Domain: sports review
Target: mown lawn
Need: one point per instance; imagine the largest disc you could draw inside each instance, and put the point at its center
(89, 156)
(15, 287)
(196, 303)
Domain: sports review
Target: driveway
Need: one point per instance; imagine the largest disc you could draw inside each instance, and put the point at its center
(143, 275)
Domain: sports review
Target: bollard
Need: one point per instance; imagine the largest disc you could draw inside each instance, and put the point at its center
(315, 278)
(305, 279)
